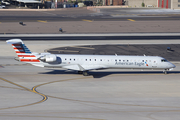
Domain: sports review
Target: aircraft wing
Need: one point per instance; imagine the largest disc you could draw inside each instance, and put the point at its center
(85, 67)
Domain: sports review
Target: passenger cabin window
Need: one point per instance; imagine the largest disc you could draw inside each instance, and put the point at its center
(163, 60)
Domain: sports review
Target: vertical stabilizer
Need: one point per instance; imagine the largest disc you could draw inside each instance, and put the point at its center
(22, 51)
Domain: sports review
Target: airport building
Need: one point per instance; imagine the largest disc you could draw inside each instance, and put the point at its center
(169, 4)
(113, 2)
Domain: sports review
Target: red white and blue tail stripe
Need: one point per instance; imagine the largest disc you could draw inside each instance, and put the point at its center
(22, 51)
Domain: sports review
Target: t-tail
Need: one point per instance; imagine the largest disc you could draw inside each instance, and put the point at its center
(23, 53)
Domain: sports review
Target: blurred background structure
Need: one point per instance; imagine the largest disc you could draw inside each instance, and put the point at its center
(50, 4)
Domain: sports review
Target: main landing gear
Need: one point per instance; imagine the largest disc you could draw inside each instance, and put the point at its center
(80, 72)
(83, 72)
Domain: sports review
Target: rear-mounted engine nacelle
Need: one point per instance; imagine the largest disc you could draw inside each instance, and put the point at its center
(48, 58)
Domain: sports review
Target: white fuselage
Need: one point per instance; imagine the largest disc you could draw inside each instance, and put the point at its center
(89, 62)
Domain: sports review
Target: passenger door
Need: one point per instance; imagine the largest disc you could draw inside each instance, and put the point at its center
(154, 63)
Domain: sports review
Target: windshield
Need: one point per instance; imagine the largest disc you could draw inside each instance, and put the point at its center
(164, 60)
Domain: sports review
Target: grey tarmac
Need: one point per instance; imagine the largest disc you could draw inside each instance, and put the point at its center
(29, 92)
(81, 20)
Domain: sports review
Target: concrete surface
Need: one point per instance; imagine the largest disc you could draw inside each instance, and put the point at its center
(29, 92)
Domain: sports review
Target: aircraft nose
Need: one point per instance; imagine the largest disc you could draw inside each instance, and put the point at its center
(172, 65)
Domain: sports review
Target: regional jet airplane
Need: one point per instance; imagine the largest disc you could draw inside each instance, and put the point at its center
(84, 63)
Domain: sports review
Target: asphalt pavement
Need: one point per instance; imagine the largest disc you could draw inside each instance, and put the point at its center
(82, 20)
(78, 14)
(70, 37)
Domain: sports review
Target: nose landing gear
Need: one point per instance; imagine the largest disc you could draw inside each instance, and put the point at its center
(165, 71)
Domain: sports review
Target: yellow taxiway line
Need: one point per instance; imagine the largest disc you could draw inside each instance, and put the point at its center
(130, 19)
(33, 90)
(87, 20)
(42, 21)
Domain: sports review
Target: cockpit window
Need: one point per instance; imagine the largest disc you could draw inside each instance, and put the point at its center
(163, 60)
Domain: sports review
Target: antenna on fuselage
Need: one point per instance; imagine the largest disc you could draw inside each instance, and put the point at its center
(115, 54)
(144, 54)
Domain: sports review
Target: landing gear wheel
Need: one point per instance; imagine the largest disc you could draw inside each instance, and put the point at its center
(85, 73)
(165, 72)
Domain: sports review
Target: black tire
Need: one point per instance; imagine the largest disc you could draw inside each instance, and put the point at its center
(85, 73)
(80, 72)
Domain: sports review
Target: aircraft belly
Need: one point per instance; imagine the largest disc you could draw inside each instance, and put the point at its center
(37, 64)
(72, 67)
(53, 65)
